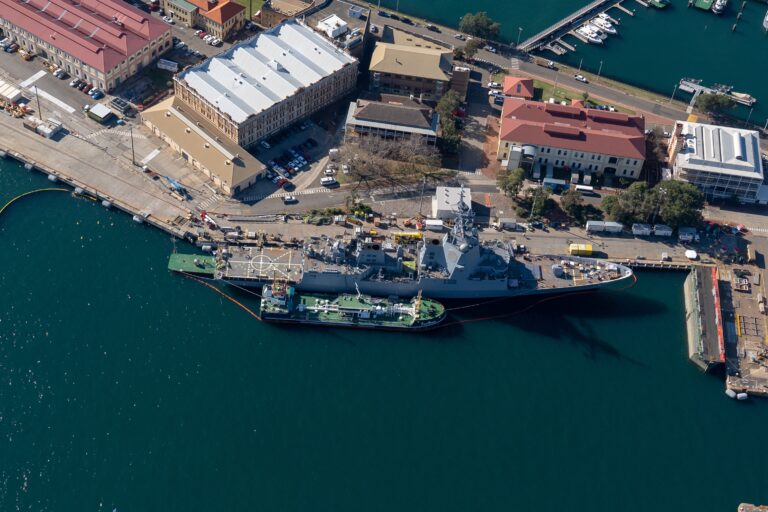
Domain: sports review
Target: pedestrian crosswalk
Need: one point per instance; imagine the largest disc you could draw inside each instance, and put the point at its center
(124, 132)
(514, 64)
(757, 230)
(280, 195)
(210, 202)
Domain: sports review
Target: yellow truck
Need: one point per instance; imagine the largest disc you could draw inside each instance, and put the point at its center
(580, 250)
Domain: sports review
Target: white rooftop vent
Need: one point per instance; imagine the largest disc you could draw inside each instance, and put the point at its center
(276, 65)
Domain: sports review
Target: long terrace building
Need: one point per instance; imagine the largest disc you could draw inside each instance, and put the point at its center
(103, 42)
(586, 141)
(259, 87)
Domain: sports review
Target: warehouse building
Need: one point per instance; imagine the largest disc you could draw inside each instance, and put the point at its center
(230, 167)
(259, 87)
(723, 162)
(103, 42)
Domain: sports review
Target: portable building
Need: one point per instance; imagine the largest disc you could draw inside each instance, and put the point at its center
(662, 230)
(595, 226)
(613, 227)
(641, 229)
(686, 234)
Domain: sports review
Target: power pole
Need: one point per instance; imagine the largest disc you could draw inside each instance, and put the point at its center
(39, 110)
(599, 71)
(673, 94)
(133, 153)
(421, 199)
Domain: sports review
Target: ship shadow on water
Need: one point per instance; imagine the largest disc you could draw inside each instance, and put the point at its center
(564, 317)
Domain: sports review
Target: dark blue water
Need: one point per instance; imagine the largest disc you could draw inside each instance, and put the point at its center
(124, 386)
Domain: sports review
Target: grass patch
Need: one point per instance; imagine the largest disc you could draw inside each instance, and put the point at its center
(251, 7)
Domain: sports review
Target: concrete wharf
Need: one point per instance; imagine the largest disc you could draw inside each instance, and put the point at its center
(567, 24)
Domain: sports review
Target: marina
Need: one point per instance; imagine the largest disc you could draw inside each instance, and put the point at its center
(694, 87)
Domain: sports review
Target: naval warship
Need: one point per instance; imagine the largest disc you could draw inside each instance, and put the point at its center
(454, 265)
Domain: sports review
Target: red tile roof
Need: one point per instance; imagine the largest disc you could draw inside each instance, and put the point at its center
(579, 129)
(519, 87)
(101, 33)
(224, 12)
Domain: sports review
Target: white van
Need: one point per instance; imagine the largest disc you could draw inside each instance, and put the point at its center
(327, 181)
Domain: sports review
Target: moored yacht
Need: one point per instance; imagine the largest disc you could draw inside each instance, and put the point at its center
(604, 25)
(589, 35)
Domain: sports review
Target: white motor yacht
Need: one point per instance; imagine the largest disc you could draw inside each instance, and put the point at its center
(589, 35)
(604, 25)
(597, 32)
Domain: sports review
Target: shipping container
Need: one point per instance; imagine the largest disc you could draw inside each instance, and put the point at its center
(662, 230)
(686, 234)
(580, 249)
(613, 227)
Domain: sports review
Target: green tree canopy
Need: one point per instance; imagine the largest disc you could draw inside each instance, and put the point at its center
(470, 49)
(571, 202)
(511, 182)
(448, 104)
(714, 103)
(480, 25)
(541, 203)
(680, 203)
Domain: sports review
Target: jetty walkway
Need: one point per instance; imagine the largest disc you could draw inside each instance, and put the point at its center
(553, 32)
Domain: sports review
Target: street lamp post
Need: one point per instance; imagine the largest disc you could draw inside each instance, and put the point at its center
(133, 153)
(673, 94)
(580, 63)
(39, 110)
(600, 70)
(519, 33)
(766, 125)
(749, 116)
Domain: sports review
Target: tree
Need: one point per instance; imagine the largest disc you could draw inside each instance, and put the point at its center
(714, 103)
(585, 96)
(450, 139)
(470, 49)
(458, 53)
(680, 203)
(610, 205)
(571, 202)
(541, 202)
(480, 25)
(448, 105)
(511, 182)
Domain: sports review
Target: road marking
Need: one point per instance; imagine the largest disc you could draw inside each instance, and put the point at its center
(34, 78)
(150, 156)
(514, 63)
(56, 101)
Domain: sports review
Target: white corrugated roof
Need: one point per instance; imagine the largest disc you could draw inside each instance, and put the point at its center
(721, 149)
(272, 66)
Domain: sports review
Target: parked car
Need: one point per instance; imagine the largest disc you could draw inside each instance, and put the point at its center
(199, 31)
(374, 29)
(81, 85)
(405, 20)
(290, 200)
(581, 78)
(489, 48)
(97, 95)
(12, 48)
(460, 37)
(494, 85)
(328, 181)
(329, 172)
(75, 82)
(433, 28)
(168, 20)
(87, 88)
(384, 14)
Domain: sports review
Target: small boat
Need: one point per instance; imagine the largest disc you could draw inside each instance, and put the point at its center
(719, 6)
(589, 35)
(660, 4)
(597, 32)
(744, 98)
(765, 21)
(604, 25)
(741, 396)
(280, 302)
(731, 393)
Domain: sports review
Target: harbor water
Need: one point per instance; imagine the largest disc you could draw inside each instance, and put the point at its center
(654, 49)
(125, 387)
